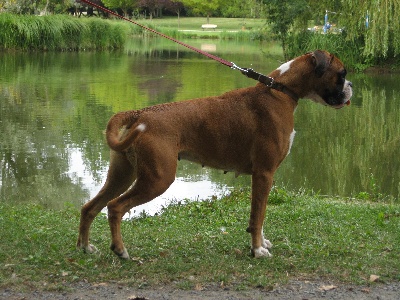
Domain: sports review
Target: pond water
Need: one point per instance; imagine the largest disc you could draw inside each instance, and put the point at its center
(54, 108)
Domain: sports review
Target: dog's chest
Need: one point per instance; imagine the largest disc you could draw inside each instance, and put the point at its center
(291, 139)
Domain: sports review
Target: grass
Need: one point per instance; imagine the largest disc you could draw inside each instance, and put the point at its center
(194, 23)
(228, 28)
(67, 33)
(61, 32)
(202, 243)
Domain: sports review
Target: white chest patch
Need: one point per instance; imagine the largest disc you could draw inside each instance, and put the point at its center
(291, 141)
(285, 67)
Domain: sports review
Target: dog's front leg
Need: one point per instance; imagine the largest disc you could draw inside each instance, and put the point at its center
(261, 186)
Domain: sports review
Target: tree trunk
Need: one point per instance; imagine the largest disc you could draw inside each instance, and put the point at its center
(45, 8)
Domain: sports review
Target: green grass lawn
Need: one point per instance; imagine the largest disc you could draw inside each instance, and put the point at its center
(228, 28)
(206, 243)
(194, 23)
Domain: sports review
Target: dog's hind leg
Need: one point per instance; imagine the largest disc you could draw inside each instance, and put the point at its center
(120, 176)
(156, 172)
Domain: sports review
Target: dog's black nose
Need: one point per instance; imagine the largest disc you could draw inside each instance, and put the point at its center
(350, 84)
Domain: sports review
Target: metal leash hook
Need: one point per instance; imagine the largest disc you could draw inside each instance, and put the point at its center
(236, 67)
(268, 81)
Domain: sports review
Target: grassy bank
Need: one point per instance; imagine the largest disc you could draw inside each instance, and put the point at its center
(61, 32)
(204, 243)
(67, 33)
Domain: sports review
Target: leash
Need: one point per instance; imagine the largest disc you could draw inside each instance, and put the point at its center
(268, 81)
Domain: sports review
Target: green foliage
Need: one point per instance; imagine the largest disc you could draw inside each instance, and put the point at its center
(35, 6)
(60, 32)
(281, 15)
(242, 9)
(361, 46)
(382, 39)
(205, 8)
(348, 50)
(124, 5)
(372, 193)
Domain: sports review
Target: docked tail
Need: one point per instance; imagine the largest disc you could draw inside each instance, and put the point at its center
(114, 139)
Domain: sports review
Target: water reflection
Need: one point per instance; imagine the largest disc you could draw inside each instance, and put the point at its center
(192, 188)
(54, 108)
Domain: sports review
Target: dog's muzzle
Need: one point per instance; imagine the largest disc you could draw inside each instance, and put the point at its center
(342, 97)
(347, 93)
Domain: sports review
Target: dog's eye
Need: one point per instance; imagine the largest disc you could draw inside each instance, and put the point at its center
(341, 76)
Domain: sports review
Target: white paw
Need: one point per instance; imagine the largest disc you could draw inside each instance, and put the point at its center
(261, 252)
(124, 254)
(266, 244)
(88, 249)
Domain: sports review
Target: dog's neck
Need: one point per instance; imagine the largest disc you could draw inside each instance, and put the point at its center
(284, 89)
(289, 82)
(271, 83)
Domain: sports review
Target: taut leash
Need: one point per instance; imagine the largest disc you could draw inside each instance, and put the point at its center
(268, 81)
(222, 61)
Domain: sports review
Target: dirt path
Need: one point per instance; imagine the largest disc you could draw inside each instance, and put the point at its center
(294, 290)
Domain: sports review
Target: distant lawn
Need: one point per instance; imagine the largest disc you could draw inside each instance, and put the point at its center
(227, 28)
(194, 23)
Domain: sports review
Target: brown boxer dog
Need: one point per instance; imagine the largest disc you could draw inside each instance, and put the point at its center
(248, 130)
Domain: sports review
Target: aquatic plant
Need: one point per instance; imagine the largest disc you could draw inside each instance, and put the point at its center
(61, 32)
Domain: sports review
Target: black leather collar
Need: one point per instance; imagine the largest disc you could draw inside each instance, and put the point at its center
(270, 82)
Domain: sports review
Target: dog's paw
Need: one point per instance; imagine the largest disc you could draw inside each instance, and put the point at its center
(266, 244)
(121, 254)
(90, 249)
(124, 254)
(261, 252)
(87, 249)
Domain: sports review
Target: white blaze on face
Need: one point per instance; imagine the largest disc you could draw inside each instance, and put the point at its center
(347, 90)
(285, 67)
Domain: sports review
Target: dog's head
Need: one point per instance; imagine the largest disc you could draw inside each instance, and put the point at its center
(331, 87)
(319, 76)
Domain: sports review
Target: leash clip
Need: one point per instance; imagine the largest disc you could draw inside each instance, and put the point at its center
(271, 82)
(235, 67)
(268, 81)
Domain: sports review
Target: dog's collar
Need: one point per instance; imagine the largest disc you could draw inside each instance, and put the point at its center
(284, 89)
(270, 82)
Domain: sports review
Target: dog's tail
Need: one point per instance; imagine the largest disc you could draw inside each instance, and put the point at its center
(114, 139)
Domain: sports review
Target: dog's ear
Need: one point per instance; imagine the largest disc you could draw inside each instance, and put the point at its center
(321, 62)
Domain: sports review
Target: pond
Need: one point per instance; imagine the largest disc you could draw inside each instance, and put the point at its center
(54, 108)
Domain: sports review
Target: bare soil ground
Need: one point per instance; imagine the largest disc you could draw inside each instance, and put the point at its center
(293, 290)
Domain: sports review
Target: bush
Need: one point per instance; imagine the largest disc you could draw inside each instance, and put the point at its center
(349, 51)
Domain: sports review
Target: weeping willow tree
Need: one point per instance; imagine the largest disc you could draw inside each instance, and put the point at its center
(371, 33)
(382, 35)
